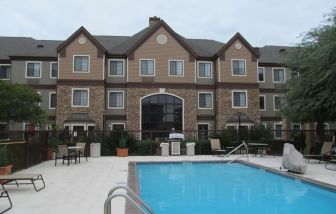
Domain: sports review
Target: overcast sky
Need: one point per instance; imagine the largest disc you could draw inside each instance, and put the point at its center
(261, 22)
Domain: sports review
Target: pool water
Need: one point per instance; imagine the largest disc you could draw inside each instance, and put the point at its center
(211, 188)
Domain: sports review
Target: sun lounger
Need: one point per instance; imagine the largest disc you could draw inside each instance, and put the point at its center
(216, 147)
(4, 194)
(332, 160)
(324, 154)
(29, 178)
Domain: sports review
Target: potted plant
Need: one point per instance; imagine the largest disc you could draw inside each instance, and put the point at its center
(5, 166)
(122, 150)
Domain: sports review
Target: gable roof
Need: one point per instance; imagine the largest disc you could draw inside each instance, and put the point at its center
(274, 54)
(87, 34)
(243, 40)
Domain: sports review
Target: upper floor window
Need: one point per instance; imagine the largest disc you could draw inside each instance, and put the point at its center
(279, 102)
(262, 102)
(80, 97)
(116, 67)
(147, 67)
(53, 70)
(52, 100)
(279, 75)
(205, 100)
(239, 99)
(278, 130)
(204, 69)
(33, 69)
(116, 99)
(81, 64)
(295, 75)
(176, 67)
(238, 67)
(261, 74)
(5, 71)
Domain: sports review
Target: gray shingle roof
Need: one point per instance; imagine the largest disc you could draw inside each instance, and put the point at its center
(274, 54)
(204, 47)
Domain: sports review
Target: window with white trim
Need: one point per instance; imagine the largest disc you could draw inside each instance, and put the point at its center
(33, 69)
(279, 102)
(116, 99)
(262, 102)
(204, 69)
(52, 100)
(116, 67)
(279, 75)
(81, 64)
(278, 130)
(295, 75)
(261, 74)
(53, 70)
(5, 71)
(238, 67)
(40, 94)
(205, 100)
(80, 97)
(239, 99)
(147, 67)
(176, 67)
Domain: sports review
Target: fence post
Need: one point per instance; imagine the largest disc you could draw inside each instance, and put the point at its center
(26, 151)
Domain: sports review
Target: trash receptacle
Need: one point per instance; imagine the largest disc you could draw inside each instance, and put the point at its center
(95, 150)
(190, 148)
(164, 149)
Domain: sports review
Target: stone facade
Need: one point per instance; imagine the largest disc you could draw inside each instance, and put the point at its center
(95, 109)
(134, 96)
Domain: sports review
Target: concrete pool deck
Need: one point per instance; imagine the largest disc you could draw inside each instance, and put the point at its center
(83, 188)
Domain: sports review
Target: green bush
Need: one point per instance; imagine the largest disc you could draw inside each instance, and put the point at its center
(203, 147)
(145, 147)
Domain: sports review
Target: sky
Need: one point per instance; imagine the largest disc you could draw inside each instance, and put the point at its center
(261, 22)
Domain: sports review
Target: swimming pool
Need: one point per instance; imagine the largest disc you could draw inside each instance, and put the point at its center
(211, 188)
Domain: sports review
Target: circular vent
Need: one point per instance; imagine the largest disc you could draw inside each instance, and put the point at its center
(238, 45)
(82, 40)
(161, 39)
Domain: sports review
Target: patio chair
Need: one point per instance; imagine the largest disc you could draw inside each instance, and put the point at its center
(28, 178)
(63, 153)
(4, 194)
(82, 151)
(216, 147)
(325, 152)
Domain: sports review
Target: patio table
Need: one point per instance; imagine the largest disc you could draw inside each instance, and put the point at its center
(75, 150)
(257, 146)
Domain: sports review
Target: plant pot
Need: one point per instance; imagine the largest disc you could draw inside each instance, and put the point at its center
(50, 154)
(122, 152)
(5, 170)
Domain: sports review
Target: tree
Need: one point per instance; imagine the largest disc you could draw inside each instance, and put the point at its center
(312, 98)
(20, 103)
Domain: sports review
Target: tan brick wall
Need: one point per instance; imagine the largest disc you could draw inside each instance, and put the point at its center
(150, 49)
(74, 48)
(95, 110)
(133, 106)
(225, 110)
(233, 53)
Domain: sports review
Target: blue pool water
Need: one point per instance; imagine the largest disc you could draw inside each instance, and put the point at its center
(211, 188)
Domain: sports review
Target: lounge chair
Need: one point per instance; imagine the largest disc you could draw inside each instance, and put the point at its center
(63, 153)
(82, 151)
(4, 194)
(325, 152)
(332, 160)
(31, 178)
(216, 147)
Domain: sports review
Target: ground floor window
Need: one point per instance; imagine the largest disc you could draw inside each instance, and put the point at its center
(203, 131)
(118, 126)
(278, 130)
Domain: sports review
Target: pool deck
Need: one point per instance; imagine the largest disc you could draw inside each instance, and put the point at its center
(83, 188)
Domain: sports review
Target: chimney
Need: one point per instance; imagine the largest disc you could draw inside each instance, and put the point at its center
(153, 20)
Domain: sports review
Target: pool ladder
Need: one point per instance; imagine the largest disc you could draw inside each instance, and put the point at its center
(235, 149)
(133, 198)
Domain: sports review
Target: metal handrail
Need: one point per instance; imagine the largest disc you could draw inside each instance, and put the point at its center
(235, 149)
(111, 195)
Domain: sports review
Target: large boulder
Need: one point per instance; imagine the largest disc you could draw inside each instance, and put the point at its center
(293, 160)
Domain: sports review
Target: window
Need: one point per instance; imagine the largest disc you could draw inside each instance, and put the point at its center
(205, 100)
(239, 99)
(204, 69)
(80, 97)
(278, 130)
(5, 71)
(53, 70)
(52, 100)
(116, 67)
(295, 75)
(278, 101)
(116, 99)
(279, 75)
(176, 67)
(261, 74)
(118, 126)
(203, 131)
(238, 67)
(147, 67)
(81, 64)
(262, 102)
(39, 93)
(33, 69)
